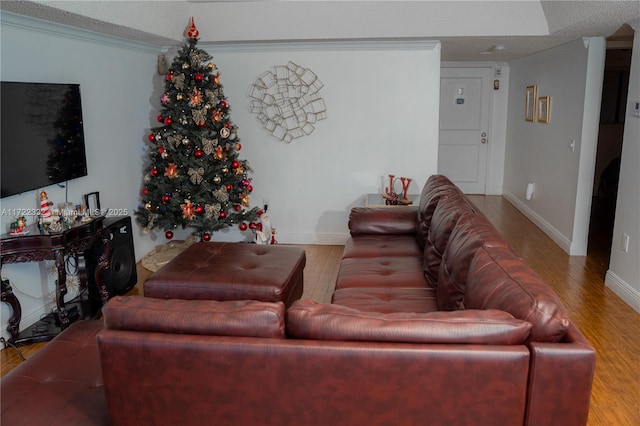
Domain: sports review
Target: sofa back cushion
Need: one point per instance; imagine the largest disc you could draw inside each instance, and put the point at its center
(205, 317)
(381, 221)
(436, 187)
(445, 217)
(498, 279)
(471, 232)
(307, 319)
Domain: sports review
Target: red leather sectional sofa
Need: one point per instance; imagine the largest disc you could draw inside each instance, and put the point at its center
(434, 320)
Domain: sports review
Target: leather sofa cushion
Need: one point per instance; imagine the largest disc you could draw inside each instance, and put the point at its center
(307, 319)
(472, 231)
(398, 271)
(445, 217)
(435, 188)
(381, 245)
(205, 317)
(498, 279)
(387, 300)
(399, 220)
(60, 384)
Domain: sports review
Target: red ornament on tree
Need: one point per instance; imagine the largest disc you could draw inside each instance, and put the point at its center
(250, 188)
(235, 164)
(168, 121)
(152, 137)
(168, 235)
(222, 215)
(237, 207)
(229, 187)
(243, 226)
(166, 198)
(160, 118)
(198, 77)
(224, 104)
(206, 237)
(145, 191)
(154, 172)
(199, 209)
(198, 153)
(161, 150)
(169, 76)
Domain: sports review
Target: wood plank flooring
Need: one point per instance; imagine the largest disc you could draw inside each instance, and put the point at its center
(611, 326)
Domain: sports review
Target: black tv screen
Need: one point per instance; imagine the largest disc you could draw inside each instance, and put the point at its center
(42, 136)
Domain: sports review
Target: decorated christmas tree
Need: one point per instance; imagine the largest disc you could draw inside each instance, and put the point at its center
(194, 177)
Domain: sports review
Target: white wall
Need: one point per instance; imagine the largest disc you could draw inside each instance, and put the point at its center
(623, 275)
(116, 80)
(541, 154)
(382, 109)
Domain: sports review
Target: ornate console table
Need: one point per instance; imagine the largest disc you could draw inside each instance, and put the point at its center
(39, 245)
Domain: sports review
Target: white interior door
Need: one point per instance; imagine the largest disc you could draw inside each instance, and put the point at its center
(464, 127)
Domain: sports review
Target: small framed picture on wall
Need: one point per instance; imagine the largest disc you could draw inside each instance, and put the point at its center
(530, 105)
(544, 108)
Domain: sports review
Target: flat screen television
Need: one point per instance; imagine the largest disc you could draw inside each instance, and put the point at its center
(42, 136)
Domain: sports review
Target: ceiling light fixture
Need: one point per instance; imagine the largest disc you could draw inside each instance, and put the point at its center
(494, 48)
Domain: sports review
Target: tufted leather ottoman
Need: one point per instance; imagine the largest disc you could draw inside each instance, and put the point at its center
(231, 271)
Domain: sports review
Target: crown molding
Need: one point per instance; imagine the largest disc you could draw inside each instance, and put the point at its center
(11, 20)
(320, 45)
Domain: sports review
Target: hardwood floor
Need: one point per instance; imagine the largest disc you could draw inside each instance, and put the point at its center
(611, 326)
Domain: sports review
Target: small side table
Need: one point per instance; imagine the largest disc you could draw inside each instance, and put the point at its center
(378, 201)
(38, 245)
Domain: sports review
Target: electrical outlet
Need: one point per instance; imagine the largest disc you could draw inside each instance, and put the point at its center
(625, 242)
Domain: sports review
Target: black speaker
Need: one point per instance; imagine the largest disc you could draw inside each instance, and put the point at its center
(121, 276)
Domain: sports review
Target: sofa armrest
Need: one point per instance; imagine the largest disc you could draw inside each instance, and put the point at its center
(560, 380)
(365, 220)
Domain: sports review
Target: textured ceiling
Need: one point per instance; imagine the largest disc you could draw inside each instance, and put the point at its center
(465, 28)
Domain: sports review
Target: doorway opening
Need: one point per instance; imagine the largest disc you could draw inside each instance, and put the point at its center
(609, 150)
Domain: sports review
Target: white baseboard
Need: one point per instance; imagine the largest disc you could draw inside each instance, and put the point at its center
(27, 321)
(546, 227)
(627, 293)
(320, 239)
(493, 190)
